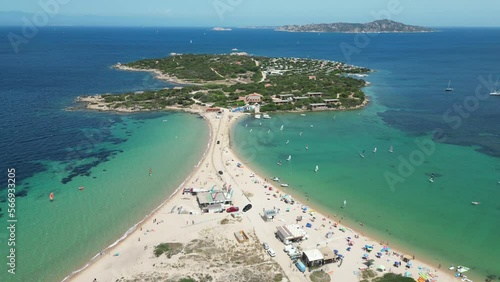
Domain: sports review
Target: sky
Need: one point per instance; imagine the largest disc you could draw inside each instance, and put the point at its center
(234, 13)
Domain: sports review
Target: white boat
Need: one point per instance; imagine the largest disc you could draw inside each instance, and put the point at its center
(449, 87)
(281, 128)
(287, 141)
(495, 91)
(307, 147)
(362, 155)
(391, 149)
(276, 179)
(284, 185)
(475, 203)
(300, 134)
(345, 203)
(279, 162)
(375, 149)
(266, 116)
(257, 116)
(462, 269)
(303, 115)
(289, 158)
(234, 49)
(269, 131)
(316, 168)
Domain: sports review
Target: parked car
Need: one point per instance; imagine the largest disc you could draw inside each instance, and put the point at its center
(266, 246)
(232, 209)
(271, 252)
(300, 266)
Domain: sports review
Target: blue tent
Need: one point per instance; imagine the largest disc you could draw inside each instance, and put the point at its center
(309, 225)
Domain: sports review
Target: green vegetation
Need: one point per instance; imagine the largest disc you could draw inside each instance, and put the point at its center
(320, 276)
(169, 249)
(223, 79)
(187, 280)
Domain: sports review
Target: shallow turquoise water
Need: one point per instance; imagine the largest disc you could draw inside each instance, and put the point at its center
(117, 194)
(434, 220)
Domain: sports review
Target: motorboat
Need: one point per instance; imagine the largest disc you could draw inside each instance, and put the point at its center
(475, 203)
(284, 185)
(266, 116)
(257, 116)
(276, 179)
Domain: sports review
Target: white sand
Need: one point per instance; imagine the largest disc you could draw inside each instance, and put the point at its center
(136, 259)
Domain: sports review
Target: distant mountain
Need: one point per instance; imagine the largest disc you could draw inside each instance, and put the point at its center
(379, 26)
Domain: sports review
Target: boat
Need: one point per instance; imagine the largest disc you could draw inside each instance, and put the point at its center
(284, 185)
(391, 149)
(150, 171)
(51, 196)
(269, 131)
(81, 188)
(345, 203)
(190, 41)
(279, 162)
(289, 158)
(300, 134)
(307, 147)
(276, 179)
(165, 120)
(316, 168)
(303, 115)
(257, 116)
(449, 87)
(362, 155)
(475, 203)
(494, 90)
(234, 49)
(281, 128)
(266, 116)
(374, 150)
(462, 269)
(287, 141)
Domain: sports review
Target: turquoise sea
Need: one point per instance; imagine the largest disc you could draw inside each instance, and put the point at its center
(110, 155)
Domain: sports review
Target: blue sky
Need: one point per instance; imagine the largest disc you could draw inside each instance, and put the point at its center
(268, 12)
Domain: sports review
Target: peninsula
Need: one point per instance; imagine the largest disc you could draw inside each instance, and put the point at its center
(238, 80)
(379, 26)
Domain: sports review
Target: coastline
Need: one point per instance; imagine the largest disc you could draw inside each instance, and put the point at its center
(133, 229)
(137, 257)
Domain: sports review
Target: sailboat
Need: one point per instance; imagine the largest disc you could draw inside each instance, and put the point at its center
(362, 154)
(316, 168)
(391, 149)
(375, 149)
(289, 158)
(495, 91)
(449, 86)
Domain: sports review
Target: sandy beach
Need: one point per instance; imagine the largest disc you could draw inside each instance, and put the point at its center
(206, 244)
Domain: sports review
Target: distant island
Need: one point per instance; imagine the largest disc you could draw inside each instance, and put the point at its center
(218, 28)
(238, 80)
(380, 26)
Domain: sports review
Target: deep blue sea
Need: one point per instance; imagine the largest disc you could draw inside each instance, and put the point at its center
(47, 144)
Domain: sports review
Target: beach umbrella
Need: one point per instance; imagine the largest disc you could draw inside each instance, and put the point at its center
(379, 254)
(348, 238)
(335, 251)
(365, 256)
(348, 249)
